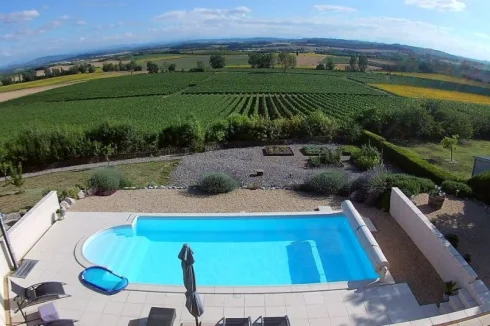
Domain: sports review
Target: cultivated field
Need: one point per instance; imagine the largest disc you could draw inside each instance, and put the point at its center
(421, 92)
(442, 77)
(190, 61)
(309, 60)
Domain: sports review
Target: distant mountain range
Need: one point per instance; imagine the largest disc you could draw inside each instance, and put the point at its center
(318, 42)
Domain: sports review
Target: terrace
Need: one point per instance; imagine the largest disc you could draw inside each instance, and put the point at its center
(408, 296)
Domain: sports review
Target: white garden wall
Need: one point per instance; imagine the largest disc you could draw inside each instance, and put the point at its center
(446, 260)
(23, 235)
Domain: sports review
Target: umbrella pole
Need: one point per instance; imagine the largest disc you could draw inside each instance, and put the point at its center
(197, 322)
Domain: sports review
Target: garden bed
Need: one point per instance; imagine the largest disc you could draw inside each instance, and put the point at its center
(313, 150)
(278, 151)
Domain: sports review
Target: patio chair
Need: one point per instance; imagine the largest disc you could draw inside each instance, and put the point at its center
(37, 293)
(275, 321)
(237, 321)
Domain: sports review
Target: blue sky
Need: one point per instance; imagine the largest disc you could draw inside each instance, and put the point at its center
(33, 28)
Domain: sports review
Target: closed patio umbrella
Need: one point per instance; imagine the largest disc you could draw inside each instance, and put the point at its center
(193, 301)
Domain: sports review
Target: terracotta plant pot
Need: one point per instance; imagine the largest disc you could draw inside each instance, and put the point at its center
(106, 193)
(436, 202)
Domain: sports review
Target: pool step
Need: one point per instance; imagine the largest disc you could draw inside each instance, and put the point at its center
(477, 287)
(445, 308)
(430, 310)
(466, 298)
(456, 303)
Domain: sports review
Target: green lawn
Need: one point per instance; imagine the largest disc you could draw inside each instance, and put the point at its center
(140, 174)
(463, 155)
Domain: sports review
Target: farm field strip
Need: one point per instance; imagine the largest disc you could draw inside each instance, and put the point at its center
(430, 93)
(441, 77)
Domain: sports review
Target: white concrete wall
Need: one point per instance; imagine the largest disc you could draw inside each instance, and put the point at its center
(446, 260)
(23, 235)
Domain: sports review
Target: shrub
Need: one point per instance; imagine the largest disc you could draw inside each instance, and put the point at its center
(326, 156)
(453, 239)
(458, 189)
(317, 124)
(349, 150)
(327, 183)
(105, 179)
(407, 184)
(480, 184)
(218, 183)
(349, 131)
(119, 135)
(370, 185)
(408, 160)
(217, 132)
(71, 192)
(367, 158)
(189, 134)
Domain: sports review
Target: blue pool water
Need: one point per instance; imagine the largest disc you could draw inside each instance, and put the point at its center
(261, 250)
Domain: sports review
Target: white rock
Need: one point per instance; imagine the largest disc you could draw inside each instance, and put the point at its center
(64, 204)
(81, 194)
(70, 201)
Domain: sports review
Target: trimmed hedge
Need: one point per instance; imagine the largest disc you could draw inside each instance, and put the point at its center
(458, 189)
(218, 183)
(105, 179)
(480, 184)
(327, 183)
(408, 160)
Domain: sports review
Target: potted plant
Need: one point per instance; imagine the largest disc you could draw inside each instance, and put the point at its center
(450, 288)
(436, 198)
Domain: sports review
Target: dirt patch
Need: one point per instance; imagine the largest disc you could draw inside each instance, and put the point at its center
(7, 96)
(408, 264)
(309, 60)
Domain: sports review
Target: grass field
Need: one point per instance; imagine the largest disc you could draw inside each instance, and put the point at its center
(190, 61)
(421, 92)
(139, 174)
(59, 80)
(463, 155)
(442, 77)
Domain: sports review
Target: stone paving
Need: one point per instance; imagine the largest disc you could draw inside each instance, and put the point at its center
(378, 305)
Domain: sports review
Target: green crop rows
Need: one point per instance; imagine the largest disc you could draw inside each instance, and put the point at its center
(419, 82)
(258, 82)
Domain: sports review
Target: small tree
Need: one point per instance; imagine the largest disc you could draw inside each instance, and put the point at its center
(108, 151)
(172, 67)
(5, 168)
(287, 60)
(450, 143)
(353, 63)
(16, 177)
(363, 63)
(330, 64)
(320, 66)
(217, 61)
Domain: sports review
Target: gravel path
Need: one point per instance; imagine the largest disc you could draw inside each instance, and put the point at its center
(242, 163)
(471, 222)
(408, 264)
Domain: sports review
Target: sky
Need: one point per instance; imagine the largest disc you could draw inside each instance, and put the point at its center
(35, 28)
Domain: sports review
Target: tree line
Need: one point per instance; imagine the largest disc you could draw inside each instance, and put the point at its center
(120, 66)
(28, 76)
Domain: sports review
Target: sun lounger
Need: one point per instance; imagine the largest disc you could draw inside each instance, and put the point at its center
(59, 322)
(237, 321)
(275, 321)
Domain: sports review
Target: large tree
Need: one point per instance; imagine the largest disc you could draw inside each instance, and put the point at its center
(217, 61)
(353, 63)
(330, 64)
(286, 60)
(363, 63)
(152, 67)
(172, 67)
(261, 60)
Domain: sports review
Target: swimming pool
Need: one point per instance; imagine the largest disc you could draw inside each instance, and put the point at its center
(234, 250)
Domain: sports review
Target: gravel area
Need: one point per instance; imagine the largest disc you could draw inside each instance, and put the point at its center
(242, 163)
(471, 222)
(407, 263)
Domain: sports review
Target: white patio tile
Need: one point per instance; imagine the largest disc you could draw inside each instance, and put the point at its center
(254, 300)
(313, 298)
(336, 309)
(316, 311)
(341, 321)
(234, 312)
(457, 315)
(254, 312)
(155, 298)
(113, 308)
(213, 314)
(471, 322)
(71, 313)
(132, 309)
(355, 308)
(124, 320)
(96, 306)
(332, 296)
(108, 320)
(137, 297)
(292, 299)
(89, 319)
(300, 322)
(234, 300)
(299, 311)
(214, 300)
(275, 311)
(440, 319)
(319, 322)
(120, 297)
(274, 300)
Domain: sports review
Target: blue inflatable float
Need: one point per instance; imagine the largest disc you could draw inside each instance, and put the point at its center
(103, 279)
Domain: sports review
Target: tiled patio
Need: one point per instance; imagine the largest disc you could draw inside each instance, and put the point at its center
(379, 305)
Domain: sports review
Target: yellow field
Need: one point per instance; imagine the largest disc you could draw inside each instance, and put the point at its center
(58, 80)
(158, 58)
(443, 78)
(421, 92)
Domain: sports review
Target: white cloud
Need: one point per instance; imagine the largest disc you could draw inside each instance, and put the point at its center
(483, 35)
(204, 13)
(333, 8)
(82, 38)
(81, 22)
(6, 54)
(55, 23)
(442, 5)
(19, 16)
